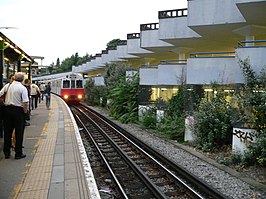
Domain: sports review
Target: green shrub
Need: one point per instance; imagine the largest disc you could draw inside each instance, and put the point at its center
(252, 104)
(172, 128)
(124, 101)
(149, 118)
(256, 153)
(95, 95)
(236, 158)
(213, 123)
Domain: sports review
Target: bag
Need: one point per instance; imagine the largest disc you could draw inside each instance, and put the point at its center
(3, 97)
(27, 116)
(2, 100)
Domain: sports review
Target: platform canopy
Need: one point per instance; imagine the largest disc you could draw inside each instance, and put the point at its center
(12, 52)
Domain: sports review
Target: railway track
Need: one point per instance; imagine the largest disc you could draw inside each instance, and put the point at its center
(124, 167)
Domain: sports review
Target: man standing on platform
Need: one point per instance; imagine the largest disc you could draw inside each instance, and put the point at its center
(16, 105)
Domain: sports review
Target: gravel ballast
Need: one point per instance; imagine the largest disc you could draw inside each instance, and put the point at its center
(224, 179)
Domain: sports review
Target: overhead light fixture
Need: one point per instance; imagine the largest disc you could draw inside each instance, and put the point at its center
(18, 51)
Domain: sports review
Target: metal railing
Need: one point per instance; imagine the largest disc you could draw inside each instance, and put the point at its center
(164, 62)
(211, 54)
(149, 65)
(252, 43)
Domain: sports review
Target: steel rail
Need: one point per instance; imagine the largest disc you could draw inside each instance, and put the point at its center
(181, 171)
(192, 192)
(154, 188)
(120, 188)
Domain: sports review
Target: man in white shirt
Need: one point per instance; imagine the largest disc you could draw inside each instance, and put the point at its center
(16, 105)
(34, 91)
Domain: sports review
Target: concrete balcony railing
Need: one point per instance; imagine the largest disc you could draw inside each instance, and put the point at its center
(133, 45)
(122, 52)
(213, 12)
(168, 72)
(148, 76)
(173, 25)
(254, 51)
(172, 74)
(210, 67)
(150, 36)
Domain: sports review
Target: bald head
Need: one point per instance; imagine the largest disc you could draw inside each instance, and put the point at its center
(19, 76)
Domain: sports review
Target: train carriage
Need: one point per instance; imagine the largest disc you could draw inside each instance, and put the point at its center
(69, 87)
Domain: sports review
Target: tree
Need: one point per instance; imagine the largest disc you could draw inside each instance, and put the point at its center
(112, 44)
(57, 63)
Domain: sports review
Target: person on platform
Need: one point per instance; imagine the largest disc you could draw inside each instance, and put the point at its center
(16, 105)
(26, 83)
(47, 93)
(34, 93)
(42, 88)
(2, 94)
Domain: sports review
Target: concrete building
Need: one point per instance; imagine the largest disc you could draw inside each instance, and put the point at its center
(197, 45)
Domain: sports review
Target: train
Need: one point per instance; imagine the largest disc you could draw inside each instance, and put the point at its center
(69, 86)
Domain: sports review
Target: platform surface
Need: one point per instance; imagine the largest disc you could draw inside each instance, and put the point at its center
(56, 165)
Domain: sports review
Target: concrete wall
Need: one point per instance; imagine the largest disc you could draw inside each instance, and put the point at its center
(208, 70)
(256, 56)
(171, 74)
(174, 28)
(148, 76)
(150, 38)
(211, 12)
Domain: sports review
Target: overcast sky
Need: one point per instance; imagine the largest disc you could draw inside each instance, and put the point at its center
(60, 28)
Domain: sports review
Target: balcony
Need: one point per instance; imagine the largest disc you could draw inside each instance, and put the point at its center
(168, 72)
(149, 36)
(173, 25)
(213, 12)
(122, 51)
(205, 68)
(254, 51)
(133, 45)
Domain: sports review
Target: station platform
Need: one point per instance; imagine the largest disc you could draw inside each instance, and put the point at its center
(55, 166)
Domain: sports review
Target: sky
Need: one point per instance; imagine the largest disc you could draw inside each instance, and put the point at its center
(60, 28)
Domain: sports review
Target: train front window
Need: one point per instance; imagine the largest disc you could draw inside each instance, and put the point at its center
(72, 83)
(66, 83)
(79, 84)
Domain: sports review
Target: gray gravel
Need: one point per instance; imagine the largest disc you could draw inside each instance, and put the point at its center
(224, 179)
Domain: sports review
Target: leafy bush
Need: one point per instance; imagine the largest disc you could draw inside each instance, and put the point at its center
(149, 118)
(124, 102)
(252, 104)
(172, 127)
(252, 97)
(95, 95)
(256, 153)
(213, 123)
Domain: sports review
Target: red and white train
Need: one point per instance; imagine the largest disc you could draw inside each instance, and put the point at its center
(69, 86)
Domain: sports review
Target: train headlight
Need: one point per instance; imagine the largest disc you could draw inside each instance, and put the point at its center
(80, 97)
(65, 97)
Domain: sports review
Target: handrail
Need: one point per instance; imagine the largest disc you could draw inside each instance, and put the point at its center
(173, 62)
(242, 44)
(172, 13)
(211, 54)
(149, 65)
(149, 26)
